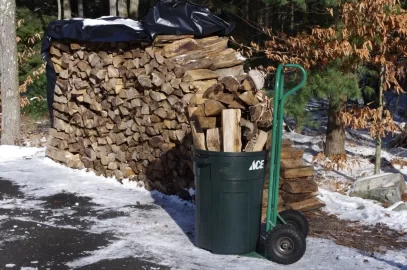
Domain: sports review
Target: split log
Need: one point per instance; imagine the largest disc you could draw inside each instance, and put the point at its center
(249, 98)
(198, 136)
(179, 47)
(231, 138)
(303, 186)
(257, 143)
(291, 153)
(213, 108)
(199, 74)
(207, 122)
(297, 172)
(307, 205)
(292, 163)
(292, 198)
(230, 83)
(257, 78)
(232, 71)
(213, 139)
(70, 160)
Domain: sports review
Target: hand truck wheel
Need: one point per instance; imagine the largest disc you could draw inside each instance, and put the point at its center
(284, 244)
(296, 219)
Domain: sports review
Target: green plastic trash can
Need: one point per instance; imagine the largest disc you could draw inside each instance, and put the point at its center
(228, 200)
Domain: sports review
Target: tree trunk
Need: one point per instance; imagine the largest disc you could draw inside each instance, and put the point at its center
(113, 9)
(122, 8)
(67, 9)
(266, 17)
(59, 10)
(10, 94)
(335, 134)
(378, 163)
(134, 5)
(292, 6)
(247, 9)
(80, 9)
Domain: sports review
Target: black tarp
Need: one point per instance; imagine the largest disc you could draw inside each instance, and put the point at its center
(184, 18)
(165, 18)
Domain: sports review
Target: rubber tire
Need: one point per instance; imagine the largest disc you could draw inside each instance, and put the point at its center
(295, 219)
(280, 232)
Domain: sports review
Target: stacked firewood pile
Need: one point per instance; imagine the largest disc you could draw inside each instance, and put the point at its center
(133, 110)
(120, 108)
(298, 190)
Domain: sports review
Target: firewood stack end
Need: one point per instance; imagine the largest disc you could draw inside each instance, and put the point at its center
(297, 190)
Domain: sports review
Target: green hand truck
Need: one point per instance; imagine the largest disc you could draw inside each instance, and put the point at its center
(228, 197)
(286, 232)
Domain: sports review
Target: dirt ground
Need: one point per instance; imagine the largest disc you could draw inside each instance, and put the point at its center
(33, 131)
(369, 239)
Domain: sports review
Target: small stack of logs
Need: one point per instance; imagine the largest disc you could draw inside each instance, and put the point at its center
(120, 109)
(231, 115)
(298, 190)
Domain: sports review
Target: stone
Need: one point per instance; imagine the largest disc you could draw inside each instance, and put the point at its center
(386, 188)
(399, 207)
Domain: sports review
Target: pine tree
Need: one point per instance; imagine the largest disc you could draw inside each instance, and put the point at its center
(368, 32)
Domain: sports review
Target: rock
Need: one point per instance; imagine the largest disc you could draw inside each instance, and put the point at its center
(386, 188)
(399, 207)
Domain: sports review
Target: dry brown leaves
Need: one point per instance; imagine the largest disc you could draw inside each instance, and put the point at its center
(380, 26)
(378, 121)
(400, 162)
(335, 162)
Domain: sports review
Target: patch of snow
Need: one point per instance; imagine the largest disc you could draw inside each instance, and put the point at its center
(10, 265)
(365, 211)
(107, 20)
(8, 152)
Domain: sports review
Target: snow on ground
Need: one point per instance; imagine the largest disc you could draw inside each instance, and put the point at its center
(160, 233)
(12, 152)
(365, 211)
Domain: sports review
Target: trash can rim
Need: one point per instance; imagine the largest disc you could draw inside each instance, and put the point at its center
(228, 154)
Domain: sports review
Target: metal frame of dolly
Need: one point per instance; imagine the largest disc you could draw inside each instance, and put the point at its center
(275, 152)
